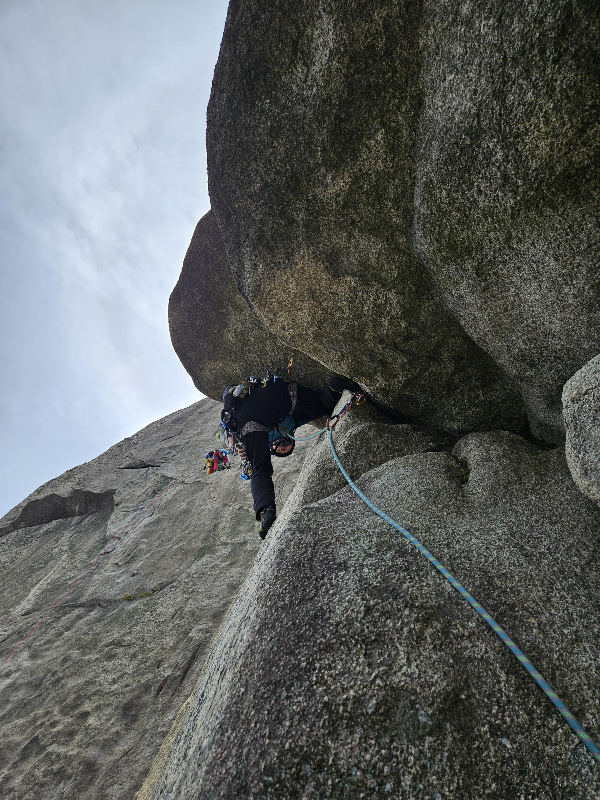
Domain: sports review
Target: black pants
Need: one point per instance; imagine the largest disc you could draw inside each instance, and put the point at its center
(268, 406)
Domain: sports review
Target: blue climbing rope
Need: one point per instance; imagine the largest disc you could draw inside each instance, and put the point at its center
(306, 438)
(544, 686)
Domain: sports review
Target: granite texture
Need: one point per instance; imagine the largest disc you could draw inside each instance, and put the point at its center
(507, 192)
(215, 333)
(581, 411)
(419, 182)
(348, 667)
(312, 135)
(88, 699)
(405, 193)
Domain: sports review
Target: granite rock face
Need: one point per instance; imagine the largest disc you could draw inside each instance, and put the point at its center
(311, 142)
(364, 440)
(419, 183)
(581, 411)
(407, 194)
(216, 335)
(348, 667)
(88, 699)
(507, 195)
(50, 507)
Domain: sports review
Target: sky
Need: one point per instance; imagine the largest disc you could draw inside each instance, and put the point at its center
(103, 178)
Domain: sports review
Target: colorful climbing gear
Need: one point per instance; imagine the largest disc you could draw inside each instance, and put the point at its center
(216, 460)
(246, 470)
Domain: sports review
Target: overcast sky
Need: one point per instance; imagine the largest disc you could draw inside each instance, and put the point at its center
(103, 178)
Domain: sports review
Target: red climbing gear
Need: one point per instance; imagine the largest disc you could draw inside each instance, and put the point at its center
(216, 460)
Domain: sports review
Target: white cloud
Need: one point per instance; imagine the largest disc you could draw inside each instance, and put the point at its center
(103, 162)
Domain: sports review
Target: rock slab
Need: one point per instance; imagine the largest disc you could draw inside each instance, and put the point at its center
(581, 411)
(348, 667)
(88, 699)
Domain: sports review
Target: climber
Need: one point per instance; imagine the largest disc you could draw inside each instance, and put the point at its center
(263, 413)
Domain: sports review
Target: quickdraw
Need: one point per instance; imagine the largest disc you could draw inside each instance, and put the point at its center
(246, 470)
(356, 400)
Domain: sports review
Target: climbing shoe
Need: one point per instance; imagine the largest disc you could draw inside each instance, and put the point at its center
(267, 518)
(339, 384)
(332, 391)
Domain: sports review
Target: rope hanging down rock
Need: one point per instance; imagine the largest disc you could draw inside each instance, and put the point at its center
(537, 677)
(356, 400)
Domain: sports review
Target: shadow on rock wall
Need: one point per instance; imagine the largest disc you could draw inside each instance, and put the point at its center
(408, 193)
(215, 333)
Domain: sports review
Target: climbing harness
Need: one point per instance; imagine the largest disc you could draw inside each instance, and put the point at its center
(228, 427)
(229, 432)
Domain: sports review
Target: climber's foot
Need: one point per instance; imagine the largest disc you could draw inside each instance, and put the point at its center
(267, 518)
(339, 384)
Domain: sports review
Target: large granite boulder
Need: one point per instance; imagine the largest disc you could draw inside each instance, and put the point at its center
(507, 197)
(364, 440)
(581, 411)
(88, 699)
(387, 171)
(311, 141)
(215, 333)
(348, 667)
